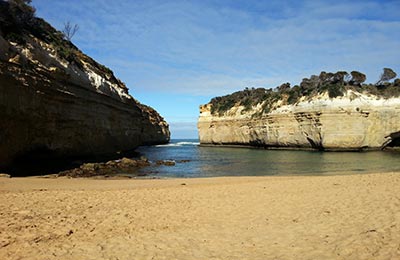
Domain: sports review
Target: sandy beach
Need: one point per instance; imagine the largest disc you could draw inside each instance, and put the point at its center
(335, 217)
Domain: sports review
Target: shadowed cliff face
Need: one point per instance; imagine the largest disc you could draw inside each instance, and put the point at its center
(64, 106)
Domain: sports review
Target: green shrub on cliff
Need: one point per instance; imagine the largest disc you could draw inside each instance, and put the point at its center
(334, 84)
(15, 17)
(18, 24)
(293, 94)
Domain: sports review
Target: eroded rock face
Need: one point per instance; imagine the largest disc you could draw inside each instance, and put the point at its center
(49, 104)
(352, 122)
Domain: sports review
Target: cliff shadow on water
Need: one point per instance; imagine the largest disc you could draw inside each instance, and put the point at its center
(42, 161)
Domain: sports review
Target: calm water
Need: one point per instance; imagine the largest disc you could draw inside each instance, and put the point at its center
(221, 161)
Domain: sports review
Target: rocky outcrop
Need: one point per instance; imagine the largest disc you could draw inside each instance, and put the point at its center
(55, 100)
(349, 121)
(129, 167)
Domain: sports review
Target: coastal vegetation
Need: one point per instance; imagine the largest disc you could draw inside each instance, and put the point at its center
(18, 23)
(334, 84)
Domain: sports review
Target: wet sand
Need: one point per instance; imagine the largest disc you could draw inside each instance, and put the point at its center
(334, 217)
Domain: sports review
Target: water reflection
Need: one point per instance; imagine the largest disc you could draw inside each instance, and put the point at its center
(223, 161)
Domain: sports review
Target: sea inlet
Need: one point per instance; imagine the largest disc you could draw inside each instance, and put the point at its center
(193, 160)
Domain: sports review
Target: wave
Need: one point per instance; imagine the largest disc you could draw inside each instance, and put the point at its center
(179, 144)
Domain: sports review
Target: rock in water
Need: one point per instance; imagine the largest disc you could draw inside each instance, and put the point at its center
(55, 100)
(166, 162)
(110, 168)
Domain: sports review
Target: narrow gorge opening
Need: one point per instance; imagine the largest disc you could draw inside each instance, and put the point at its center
(393, 141)
(314, 145)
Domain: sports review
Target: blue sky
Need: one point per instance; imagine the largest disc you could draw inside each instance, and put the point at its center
(176, 55)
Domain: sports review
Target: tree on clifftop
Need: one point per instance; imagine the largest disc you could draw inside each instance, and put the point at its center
(69, 30)
(357, 78)
(387, 75)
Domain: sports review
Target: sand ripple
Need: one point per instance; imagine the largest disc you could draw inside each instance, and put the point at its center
(336, 217)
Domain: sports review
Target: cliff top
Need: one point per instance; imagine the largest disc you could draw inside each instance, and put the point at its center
(23, 32)
(334, 84)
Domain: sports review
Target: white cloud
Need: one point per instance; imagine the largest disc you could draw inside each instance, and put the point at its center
(206, 48)
(175, 55)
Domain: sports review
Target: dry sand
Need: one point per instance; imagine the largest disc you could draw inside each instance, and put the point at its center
(336, 217)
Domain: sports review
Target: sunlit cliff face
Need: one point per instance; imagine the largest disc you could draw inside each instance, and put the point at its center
(354, 121)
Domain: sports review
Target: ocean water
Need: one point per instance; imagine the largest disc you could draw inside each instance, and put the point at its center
(224, 161)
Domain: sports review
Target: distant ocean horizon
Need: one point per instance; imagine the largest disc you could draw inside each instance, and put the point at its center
(193, 160)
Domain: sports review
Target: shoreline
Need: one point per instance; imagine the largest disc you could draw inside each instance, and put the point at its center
(294, 148)
(262, 217)
(158, 176)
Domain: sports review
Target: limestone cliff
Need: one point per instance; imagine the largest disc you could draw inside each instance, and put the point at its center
(56, 100)
(352, 119)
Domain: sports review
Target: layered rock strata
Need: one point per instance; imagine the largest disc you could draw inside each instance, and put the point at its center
(55, 100)
(354, 121)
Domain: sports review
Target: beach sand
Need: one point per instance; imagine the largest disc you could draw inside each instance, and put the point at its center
(293, 217)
